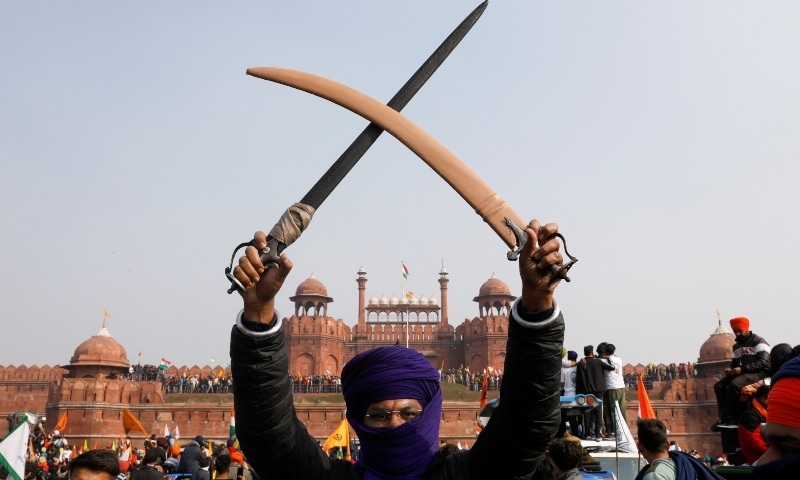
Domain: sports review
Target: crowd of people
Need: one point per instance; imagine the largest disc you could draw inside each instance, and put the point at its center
(51, 458)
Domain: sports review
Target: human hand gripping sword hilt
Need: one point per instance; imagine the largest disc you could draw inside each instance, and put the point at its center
(289, 227)
(558, 271)
(269, 258)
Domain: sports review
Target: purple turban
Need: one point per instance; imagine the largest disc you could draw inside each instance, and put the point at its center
(388, 373)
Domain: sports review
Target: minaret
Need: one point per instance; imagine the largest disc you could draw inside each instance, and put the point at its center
(443, 280)
(362, 287)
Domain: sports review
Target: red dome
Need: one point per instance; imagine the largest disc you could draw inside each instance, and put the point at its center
(100, 350)
(718, 347)
(494, 286)
(311, 286)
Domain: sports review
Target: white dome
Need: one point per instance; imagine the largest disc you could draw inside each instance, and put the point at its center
(393, 300)
(432, 301)
(403, 301)
(383, 300)
(373, 300)
(413, 301)
(423, 300)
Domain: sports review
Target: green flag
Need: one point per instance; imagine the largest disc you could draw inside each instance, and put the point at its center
(13, 450)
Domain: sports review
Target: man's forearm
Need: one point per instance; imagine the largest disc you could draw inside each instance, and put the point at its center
(535, 300)
(260, 313)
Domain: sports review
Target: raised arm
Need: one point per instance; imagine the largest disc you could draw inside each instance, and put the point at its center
(274, 441)
(517, 436)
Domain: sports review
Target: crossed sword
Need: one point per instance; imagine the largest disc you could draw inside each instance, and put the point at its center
(477, 193)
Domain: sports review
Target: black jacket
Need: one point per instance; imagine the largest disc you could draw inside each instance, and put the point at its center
(589, 377)
(752, 355)
(190, 458)
(146, 473)
(278, 446)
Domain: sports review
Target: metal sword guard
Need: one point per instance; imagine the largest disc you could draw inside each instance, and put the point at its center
(559, 271)
(269, 258)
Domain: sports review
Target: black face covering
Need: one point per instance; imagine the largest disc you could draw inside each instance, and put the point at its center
(784, 468)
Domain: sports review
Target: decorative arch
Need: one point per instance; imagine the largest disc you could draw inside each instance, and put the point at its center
(305, 364)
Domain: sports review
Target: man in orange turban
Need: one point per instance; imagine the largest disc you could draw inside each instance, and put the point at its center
(782, 430)
(749, 364)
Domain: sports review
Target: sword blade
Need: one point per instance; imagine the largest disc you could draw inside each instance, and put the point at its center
(296, 219)
(336, 173)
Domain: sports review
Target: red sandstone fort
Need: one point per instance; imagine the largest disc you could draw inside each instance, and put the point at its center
(89, 390)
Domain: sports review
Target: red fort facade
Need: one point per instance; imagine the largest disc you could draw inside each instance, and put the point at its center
(90, 390)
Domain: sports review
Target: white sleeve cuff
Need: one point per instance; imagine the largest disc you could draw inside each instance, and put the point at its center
(251, 333)
(544, 323)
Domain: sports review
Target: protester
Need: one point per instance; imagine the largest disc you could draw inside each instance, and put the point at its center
(663, 464)
(148, 469)
(751, 440)
(202, 472)
(191, 455)
(590, 380)
(615, 386)
(237, 462)
(392, 394)
(566, 457)
(782, 430)
(95, 465)
(750, 363)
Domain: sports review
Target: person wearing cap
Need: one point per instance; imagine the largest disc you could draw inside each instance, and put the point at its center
(191, 455)
(749, 364)
(392, 393)
(782, 430)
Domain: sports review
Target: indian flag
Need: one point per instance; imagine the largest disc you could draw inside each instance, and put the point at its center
(645, 409)
(404, 269)
(232, 428)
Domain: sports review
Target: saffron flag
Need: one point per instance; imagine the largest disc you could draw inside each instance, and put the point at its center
(85, 445)
(625, 440)
(404, 269)
(130, 422)
(645, 409)
(483, 390)
(13, 450)
(61, 424)
(339, 438)
(106, 314)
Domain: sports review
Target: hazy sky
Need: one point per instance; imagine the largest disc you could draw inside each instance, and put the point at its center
(135, 154)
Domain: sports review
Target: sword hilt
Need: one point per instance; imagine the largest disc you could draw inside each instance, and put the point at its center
(557, 271)
(269, 258)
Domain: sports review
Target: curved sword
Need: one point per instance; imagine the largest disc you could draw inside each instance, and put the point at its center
(296, 219)
(478, 194)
